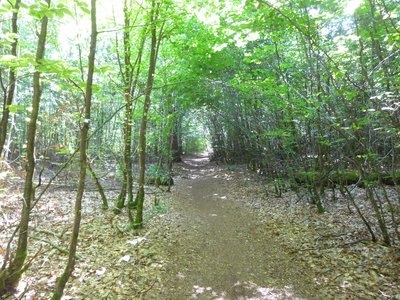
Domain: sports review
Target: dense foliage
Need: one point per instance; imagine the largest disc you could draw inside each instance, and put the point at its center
(304, 92)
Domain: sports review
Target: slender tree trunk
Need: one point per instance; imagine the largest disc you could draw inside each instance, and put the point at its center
(172, 137)
(176, 149)
(59, 289)
(99, 187)
(126, 188)
(128, 109)
(9, 278)
(376, 46)
(130, 84)
(362, 60)
(10, 90)
(143, 124)
(120, 202)
(378, 215)
(347, 194)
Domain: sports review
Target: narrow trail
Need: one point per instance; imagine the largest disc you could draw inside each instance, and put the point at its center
(217, 248)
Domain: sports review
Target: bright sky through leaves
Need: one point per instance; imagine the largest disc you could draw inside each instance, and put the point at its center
(351, 6)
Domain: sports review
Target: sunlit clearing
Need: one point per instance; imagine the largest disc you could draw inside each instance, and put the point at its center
(351, 6)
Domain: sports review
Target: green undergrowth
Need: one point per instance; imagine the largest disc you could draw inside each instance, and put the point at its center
(157, 209)
(231, 167)
(158, 175)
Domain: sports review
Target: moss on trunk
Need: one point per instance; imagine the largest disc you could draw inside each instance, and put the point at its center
(347, 177)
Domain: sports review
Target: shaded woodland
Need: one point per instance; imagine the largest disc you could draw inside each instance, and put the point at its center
(304, 93)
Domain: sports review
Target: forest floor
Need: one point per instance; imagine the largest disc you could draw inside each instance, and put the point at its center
(220, 234)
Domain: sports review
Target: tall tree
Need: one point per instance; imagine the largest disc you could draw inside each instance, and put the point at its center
(155, 43)
(9, 277)
(126, 71)
(130, 77)
(59, 289)
(9, 90)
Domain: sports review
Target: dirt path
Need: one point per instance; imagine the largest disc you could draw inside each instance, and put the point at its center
(218, 250)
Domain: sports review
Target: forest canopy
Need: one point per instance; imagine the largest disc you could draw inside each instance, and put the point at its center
(306, 93)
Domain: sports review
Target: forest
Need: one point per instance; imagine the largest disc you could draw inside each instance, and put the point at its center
(200, 149)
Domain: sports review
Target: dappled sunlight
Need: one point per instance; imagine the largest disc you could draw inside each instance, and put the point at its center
(51, 222)
(200, 166)
(198, 160)
(244, 291)
(218, 196)
(224, 176)
(225, 254)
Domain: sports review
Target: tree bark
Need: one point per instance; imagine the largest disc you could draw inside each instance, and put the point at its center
(130, 83)
(143, 125)
(9, 278)
(99, 187)
(176, 146)
(59, 289)
(10, 90)
(128, 109)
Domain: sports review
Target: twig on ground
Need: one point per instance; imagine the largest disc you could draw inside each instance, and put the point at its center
(144, 291)
(29, 263)
(354, 242)
(48, 232)
(60, 249)
(8, 251)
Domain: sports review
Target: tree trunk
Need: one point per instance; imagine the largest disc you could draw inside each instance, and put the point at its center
(59, 289)
(176, 148)
(143, 125)
(130, 83)
(99, 187)
(128, 110)
(10, 90)
(10, 277)
(378, 214)
(120, 202)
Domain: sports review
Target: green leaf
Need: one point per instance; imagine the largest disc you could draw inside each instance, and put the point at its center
(58, 67)
(8, 38)
(8, 59)
(15, 108)
(17, 62)
(35, 11)
(63, 151)
(83, 6)
(104, 69)
(7, 7)
(62, 10)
